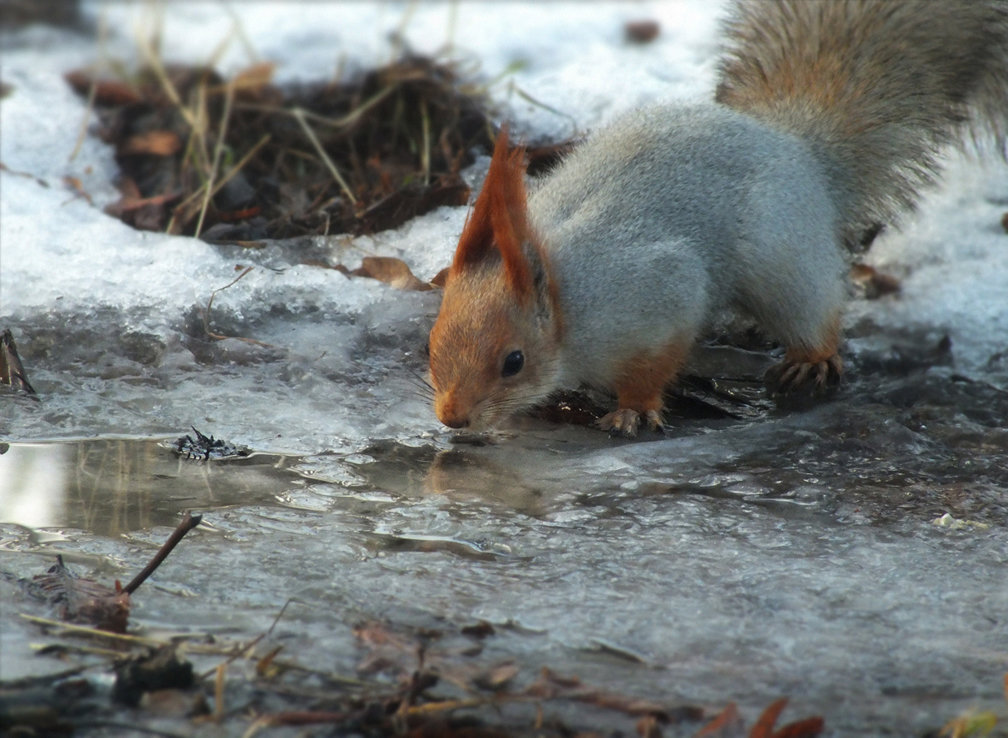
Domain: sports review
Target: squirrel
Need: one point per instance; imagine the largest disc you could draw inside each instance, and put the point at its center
(828, 118)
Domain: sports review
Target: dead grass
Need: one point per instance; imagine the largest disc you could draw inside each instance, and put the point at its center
(241, 159)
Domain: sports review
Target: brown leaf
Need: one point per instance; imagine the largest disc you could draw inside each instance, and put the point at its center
(82, 600)
(763, 727)
(253, 79)
(498, 677)
(154, 143)
(874, 283)
(107, 92)
(391, 271)
(642, 32)
(728, 724)
(806, 728)
(387, 651)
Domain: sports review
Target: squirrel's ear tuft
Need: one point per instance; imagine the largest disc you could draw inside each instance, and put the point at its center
(498, 224)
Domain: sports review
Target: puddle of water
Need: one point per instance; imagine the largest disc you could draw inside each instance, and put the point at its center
(113, 486)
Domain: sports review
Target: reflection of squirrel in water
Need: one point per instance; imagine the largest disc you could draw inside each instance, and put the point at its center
(828, 119)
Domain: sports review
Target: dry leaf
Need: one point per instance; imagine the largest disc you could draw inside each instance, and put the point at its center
(154, 143)
(82, 600)
(252, 79)
(763, 727)
(874, 283)
(386, 651)
(391, 271)
(728, 724)
(641, 32)
(107, 92)
(806, 728)
(498, 677)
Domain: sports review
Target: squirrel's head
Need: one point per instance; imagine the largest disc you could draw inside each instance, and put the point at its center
(494, 348)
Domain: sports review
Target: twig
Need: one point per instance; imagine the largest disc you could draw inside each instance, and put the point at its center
(206, 315)
(237, 652)
(189, 521)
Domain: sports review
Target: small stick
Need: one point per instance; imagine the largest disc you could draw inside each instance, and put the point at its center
(189, 521)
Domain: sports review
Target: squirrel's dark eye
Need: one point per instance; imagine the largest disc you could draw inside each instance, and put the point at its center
(513, 364)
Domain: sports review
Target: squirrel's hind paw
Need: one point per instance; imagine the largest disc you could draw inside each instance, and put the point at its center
(791, 378)
(626, 422)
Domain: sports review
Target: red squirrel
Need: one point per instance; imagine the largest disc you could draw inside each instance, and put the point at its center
(828, 118)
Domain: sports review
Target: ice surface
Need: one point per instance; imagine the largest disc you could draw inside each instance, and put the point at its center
(794, 555)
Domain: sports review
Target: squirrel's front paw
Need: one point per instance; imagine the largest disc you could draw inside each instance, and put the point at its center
(625, 422)
(792, 378)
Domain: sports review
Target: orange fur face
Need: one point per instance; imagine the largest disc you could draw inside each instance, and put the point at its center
(494, 348)
(480, 326)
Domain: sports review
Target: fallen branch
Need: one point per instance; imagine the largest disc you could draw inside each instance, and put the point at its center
(189, 521)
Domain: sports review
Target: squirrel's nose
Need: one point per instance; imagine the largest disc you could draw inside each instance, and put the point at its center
(450, 415)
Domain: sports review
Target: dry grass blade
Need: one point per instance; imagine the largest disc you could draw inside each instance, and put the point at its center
(299, 116)
(208, 187)
(206, 315)
(85, 630)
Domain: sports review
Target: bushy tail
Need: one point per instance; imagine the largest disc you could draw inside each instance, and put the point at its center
(877, 87)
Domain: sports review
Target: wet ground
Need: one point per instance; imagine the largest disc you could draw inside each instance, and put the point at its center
(851, 557)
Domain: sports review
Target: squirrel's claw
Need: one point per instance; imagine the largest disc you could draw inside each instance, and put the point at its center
(790, 378)
(626, 422)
